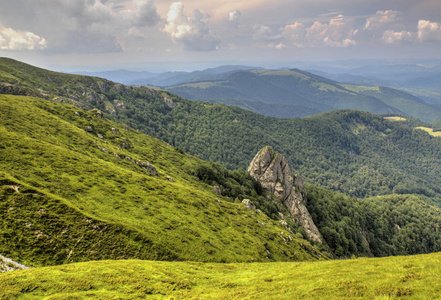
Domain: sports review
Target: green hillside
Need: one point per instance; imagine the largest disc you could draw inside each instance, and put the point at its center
(353, 152)
(76, 187)
(410, 277)
(296, 93)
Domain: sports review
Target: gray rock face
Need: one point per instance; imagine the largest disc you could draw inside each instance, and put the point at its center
(271, 169)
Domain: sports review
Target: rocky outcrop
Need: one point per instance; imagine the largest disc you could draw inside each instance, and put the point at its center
(169, 102)
(271, 169)
(7, 265)
(147, 166)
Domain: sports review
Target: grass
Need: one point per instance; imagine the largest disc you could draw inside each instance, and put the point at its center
(430, 131)
(200, 85)
(280, 73)
(82, 195)
(395, 119)
(410, 277)
(360, 88)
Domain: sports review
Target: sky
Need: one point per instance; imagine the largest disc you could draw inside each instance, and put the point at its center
(162, 34)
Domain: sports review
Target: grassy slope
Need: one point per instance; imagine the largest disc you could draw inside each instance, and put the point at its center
(412, 277)
(77, 202)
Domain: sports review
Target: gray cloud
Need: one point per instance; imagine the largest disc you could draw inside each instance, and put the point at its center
(143, 14)
(303, 27)
(193, 32)
(264, 34)
(80, 25)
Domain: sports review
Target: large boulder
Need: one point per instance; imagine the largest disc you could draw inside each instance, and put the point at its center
(271, 169)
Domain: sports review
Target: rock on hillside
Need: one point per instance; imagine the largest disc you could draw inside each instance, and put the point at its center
(7, 265)
(271, 169)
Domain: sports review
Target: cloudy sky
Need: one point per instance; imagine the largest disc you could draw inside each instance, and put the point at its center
(176, 35)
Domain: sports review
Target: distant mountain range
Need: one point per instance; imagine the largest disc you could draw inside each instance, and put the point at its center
(295, 93)
(165, 78)
(422, 82)
(406, 89)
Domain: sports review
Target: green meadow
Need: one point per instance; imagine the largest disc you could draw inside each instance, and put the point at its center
(405, 277)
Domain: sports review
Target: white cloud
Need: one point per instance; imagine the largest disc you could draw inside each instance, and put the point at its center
(392, 37)
(384, 26)
(429, 31)
(193, 32)
(233, 18)
(382, 19)
(336, 33)
(11, 39)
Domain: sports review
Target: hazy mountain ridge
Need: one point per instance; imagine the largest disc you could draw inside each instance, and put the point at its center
(421, 81)
(304, 91)
(165, 78)
(220, 85)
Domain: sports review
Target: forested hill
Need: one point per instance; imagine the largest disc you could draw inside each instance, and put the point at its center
(355, 152)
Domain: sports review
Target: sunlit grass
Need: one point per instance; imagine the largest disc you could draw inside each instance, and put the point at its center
(395, 119)
(430, 131)
(411, 277)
